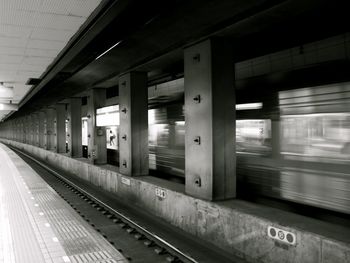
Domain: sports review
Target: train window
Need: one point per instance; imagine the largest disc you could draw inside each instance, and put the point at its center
(322, 135)
(253, 136)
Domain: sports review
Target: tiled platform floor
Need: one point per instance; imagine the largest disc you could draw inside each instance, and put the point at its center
(36, 225)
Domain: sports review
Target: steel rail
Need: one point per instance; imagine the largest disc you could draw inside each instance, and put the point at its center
(181, 255)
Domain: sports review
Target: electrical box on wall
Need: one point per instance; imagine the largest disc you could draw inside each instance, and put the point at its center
(160, 192)
(281, 235)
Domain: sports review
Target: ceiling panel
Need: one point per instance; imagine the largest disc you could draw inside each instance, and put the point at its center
(54, 21)
(41, 52)
(24, 75)
(51, 34)
(14, 31)
(12, 42)
(16, 17)
(45, 44)
(89, 6)
(32, 34)
(37, 61)
(29, 67)
(11, 59)
(32, 5)
(12, 50)
(82, 8)
(7, 66)
(20, 91)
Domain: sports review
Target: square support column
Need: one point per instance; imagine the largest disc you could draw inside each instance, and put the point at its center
(51, 129)
(32, 129)
(74, 131)
(272, 111)
(35, 129)
(28, 129)
(97, 142)
(133, 135)
(15, 130)
(42, 129)
(22, 138)
(61, 127)
(22, 132)
(210, 158)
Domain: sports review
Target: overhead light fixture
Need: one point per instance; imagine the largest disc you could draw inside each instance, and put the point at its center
(5, 92)
(116, 44)
(8, 107)
(249, 106)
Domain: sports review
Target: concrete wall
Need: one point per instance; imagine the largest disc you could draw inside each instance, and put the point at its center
(236, 226)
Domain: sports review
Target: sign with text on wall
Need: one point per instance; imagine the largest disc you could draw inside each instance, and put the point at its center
(161, 193)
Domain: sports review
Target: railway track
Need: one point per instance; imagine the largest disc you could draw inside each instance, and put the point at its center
(137, 243)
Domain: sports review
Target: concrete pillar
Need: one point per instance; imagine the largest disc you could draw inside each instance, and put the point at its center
(17, 129)
(19, 135)
(20, 123)
(24, 131)
(97, 147)
(61, 128)
(74, 131)
(31, 129)
(51, 131)
(276, 133)
(28, 130)
(21, 131)
(210, 158)
(14, 130)
(133, 129)
(271, 109)
(35, 120)
(42, 129)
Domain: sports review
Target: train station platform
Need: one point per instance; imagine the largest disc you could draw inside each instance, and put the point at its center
(238, 227)
(37, 225)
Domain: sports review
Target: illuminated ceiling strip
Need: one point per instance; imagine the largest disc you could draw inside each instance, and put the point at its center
(116, 44)
(249, 106)
(8, 106)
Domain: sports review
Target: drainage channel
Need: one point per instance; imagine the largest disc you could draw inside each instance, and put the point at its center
(134, 241)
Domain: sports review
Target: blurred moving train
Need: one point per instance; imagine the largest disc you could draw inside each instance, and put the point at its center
(301, 154)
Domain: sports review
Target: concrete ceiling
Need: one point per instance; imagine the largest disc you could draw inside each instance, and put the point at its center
(32, 34)
(153, 34)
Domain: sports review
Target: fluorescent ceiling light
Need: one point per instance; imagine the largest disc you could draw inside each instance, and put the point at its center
(5, 92)
(116, 44)
(8, 106)
(249, 106)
